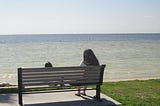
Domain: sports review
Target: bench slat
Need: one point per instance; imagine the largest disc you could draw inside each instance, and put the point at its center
(58, 82)
(60, 79)
(49, 77)
(60, 76)
(59, 72)
(54, 72)
(60, 68)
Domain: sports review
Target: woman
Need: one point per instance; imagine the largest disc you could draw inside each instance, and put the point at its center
(89, 58)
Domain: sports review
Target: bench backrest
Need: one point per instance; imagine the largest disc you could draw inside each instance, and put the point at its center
(88, 75)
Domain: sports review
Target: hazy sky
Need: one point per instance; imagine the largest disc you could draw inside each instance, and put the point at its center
(79, 16)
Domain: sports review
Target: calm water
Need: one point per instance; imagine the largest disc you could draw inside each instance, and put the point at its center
(127, 56)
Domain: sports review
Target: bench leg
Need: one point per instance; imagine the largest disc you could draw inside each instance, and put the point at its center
(98, 93)
(20, 98)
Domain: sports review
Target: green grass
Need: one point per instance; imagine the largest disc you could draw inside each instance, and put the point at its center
(134, 93)
(8, 90)
(129, 93)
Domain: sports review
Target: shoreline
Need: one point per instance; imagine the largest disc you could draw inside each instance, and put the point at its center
(8, 85)
(117, 80)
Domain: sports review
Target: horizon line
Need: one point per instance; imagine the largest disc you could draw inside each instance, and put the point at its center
(82, 33)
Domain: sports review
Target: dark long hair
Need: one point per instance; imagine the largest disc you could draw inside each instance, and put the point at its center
(89, 57)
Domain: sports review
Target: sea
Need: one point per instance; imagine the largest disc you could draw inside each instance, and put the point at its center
(127, 56)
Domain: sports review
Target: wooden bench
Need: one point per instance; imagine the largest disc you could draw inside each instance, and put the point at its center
(72, 76)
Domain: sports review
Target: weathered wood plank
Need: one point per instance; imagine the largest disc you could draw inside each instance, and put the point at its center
(53, 72)
(60, 82)
(62, 72)
(61, 79)
(61, 68)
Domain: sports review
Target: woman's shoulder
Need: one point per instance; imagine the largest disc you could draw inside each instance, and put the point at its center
(82, 64)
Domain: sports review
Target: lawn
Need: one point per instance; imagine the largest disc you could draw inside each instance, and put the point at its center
(129, 93)
(134, 93)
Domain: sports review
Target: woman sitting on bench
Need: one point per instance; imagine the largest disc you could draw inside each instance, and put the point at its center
(89, 58)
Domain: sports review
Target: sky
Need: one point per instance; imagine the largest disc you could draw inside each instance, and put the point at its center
(79, 16)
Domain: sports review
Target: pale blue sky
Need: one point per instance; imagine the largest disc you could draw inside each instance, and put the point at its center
(79, 16)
